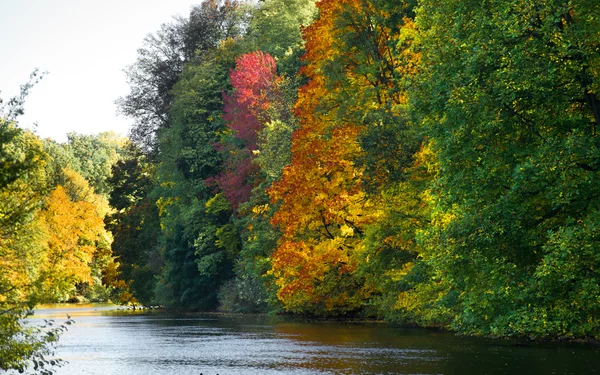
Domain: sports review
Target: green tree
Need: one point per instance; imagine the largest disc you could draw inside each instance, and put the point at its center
(135, 226)
(195, 264)
(161, 61)
(92, 156)
(20, 244)
(96, 155)
(275, 28)
(509, 98)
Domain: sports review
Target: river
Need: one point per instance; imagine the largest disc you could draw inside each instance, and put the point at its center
(107, 341)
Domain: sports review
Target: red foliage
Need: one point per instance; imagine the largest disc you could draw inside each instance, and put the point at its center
(238, 177)
(246, 109)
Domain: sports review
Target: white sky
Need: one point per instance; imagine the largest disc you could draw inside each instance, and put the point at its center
(84, 45)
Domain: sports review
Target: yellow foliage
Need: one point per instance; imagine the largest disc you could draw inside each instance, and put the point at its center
(260, 209)
(324, 210)
(74, 229)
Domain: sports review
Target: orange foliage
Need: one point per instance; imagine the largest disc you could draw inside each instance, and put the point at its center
(322, 206)
(358, 57)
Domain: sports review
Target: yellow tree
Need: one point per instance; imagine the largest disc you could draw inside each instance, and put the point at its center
(74, 230)
(21, 187)
(22, 234)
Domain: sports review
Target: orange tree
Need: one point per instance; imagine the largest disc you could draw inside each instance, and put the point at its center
(358, 52)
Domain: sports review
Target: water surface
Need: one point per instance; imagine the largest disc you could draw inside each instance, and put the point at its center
(106, 341)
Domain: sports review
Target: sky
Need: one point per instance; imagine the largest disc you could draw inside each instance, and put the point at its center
(84, 46)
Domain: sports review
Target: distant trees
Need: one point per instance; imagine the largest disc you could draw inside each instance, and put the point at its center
(134, 225)
(81, 169)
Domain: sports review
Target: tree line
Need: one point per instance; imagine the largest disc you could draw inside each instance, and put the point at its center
(420, 162)
(423, 162)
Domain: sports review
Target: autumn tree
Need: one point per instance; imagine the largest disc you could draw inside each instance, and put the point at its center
(246, 110)
(351, 200)
(78, 166)
(22, 188)
(274, 33)
(323, 209)
(73, 229)
(21, 243)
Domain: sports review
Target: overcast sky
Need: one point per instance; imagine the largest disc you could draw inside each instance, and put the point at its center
(84, 45)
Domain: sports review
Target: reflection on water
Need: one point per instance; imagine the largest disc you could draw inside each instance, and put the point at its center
(107, 341)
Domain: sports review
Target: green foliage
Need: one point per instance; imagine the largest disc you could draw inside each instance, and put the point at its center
(253, 289)
(92, 156)
(508, 98)
(162, 60)
(20, 258)
(23, 347)
(275, 142)
(275, 28)
(17, 157)
(82, 166)
(275, 137)
(135, 228)
(444, 170)
(190, 214)
(96, 154)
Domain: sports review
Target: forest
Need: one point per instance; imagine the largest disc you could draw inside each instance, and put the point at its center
(429, 163)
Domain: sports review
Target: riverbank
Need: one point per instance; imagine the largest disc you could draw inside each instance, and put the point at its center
(110, 308)
(356, 320)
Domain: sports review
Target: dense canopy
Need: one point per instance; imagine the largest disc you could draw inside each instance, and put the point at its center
(425, 162)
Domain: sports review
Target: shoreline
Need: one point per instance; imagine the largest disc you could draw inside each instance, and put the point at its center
(288, 317)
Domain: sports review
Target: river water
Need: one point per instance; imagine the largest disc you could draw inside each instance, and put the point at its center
(106, 341)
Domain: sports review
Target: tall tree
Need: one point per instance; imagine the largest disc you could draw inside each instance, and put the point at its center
(510, 101)
(161, 61)
(246, 110)
(323, 209)
(191, 211)
(135, 227)
(21, 243)
(353, 176)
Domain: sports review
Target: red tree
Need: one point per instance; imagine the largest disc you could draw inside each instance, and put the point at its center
(246, 110)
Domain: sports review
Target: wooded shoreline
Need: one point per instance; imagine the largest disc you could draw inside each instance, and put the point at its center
(421, 163)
